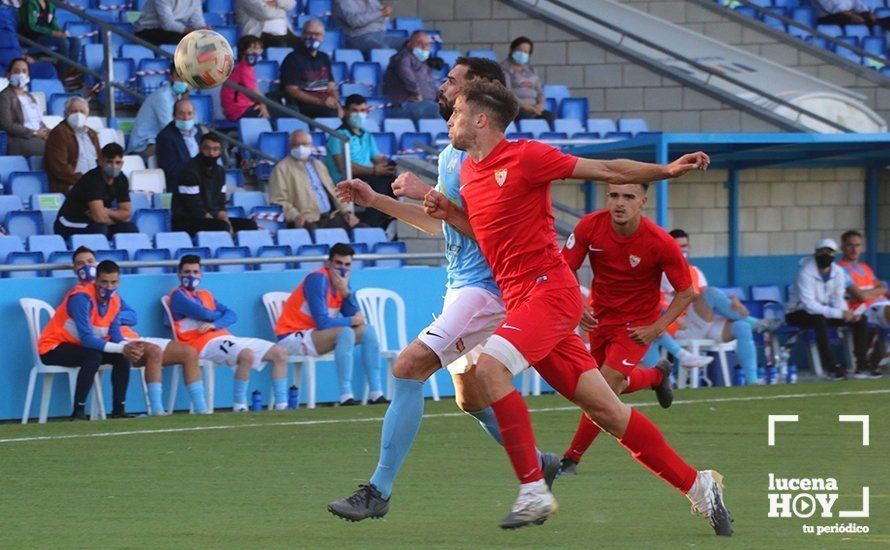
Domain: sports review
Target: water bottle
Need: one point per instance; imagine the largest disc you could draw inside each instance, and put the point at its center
(738, 378)
(770, 375)
(761, 373)
(792, 374)
(256, 401)
(293, 398)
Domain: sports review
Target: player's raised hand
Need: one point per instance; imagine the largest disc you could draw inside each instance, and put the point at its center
(687, 163)
(409, 186)
(357, 191)
(436, 205)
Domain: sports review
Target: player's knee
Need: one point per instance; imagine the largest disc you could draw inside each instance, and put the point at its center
(742, 330)
(415, 362)
(470, 403)
(277, 354)
(246, 357)
(152, 353)
(615, 379)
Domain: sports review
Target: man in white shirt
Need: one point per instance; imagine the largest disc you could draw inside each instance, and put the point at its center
(847, 12)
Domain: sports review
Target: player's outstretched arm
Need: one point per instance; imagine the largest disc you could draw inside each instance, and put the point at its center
(437, 206)
(410, 186)
(360, 193)
(623, 171)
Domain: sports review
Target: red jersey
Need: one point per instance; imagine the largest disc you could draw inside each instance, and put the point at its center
(507, 198)
(626, 270)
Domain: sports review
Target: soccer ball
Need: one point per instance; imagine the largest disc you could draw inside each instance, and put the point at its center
(204, 59)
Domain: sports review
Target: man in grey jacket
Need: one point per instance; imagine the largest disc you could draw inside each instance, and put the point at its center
(817, 302)
(167, 21)
(267, 19)
(364, 24)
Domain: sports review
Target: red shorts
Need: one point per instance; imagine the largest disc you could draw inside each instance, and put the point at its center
(542, 329)
(612, 346)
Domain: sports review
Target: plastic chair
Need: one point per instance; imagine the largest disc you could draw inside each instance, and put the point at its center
(132, 163)
(312, 250)
(248, 199)
(372, 302)
(213, 240)
(389, 247)
(381, 56)
(573, 107)
(432, 126)
(153, 221)
(535, 126)
(290, 125)
(293, 238)
(10, 164)
(254, 239)
(24, 258)
(399, 126)
(148, 181)
(9, 203)
(207, 368)
(131, 242)
(569, 126)
(90, 240)
(46, 244)
(151, 255)
(331, 236)
(24, 223)
(173, 241)
(386, 142)
(139, 200)
(369, 235)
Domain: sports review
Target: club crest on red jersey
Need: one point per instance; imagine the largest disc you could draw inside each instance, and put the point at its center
(500, 176)
(634, 260)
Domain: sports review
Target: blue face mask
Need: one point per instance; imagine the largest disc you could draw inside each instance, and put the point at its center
(86, 273)
(357, 120)
(185, 125)
(312, 44)
(520, 57)
(343, 271)
(179, 88)
(106, 293)
(190, 282)
(252, 59)
(421, 54)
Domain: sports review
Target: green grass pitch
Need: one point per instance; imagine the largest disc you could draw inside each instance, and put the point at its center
(263, 479)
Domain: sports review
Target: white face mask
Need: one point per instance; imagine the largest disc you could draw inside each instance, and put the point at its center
(77, 120)
(302, 152)
(19, 80)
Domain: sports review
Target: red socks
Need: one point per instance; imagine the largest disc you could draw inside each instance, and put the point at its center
(650, 449)
(642, 379)
(519, 440)
(584, 436)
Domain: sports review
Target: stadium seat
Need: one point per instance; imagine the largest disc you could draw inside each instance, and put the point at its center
(9, 244)
(229, 252)
(150, 181)
(90, 240)
(632, 125)
(152, 221)
(266, 72)
(131, 163)
(277, 54)
(550, 136)
(736, 291)
(223, 7)
(411, 141)
(200, 251)
(110, 135)
(331, 236)
(831, 30)
(569, 126)
(293, 238)
(161, 200)
(557, 92)
(214, 240)
(432, 126)
(264, 221)
(55, 104)
(139, 200)
(773, 20)
(236, 212)
(399, 126)
(151, 255)
(339, 72)
(249, 130)
(46, 244)
(767, 293)
(487, 54)
(390, 247)
(113, 255)
(234, 180)
(348, 56)
(573, 107)
(43, 69)
(131, 242)
(47, 86)
(47, 201)
(520, 135)
(274, 144)
(62, 257)
(367, 73)
(369, 236)
(137, 53)
(272, 252)
(248, 199)
(9, 203)
(204, 109)
(331, 122)
(254, 239)
(408, 24)
(173, 241)
(24, 223)
(10, 164)
(26, 184)
(24, 258)
(290, 125)
(312, 250)
(534, 126)
(381, 56)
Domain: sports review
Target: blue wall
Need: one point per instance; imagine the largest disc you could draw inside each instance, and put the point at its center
(421, 288)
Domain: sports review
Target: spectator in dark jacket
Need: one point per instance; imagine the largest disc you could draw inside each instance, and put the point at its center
(306, 77)
(409, 83)
(20, 115)
(199, 199)
(177, 143)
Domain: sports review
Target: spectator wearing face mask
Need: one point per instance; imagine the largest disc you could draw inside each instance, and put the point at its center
(235, 104)
(20, 114)
(155, 113)
(523, 81)
(306, 77)
(177, 143)
(817, 302)
(100, 200)
(303, 187)
(37, 21)
(72, 149)
(409, 83)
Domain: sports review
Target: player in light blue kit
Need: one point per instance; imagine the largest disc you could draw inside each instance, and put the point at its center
(473, 309)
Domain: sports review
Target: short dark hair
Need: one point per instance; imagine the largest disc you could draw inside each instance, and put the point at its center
(341, 249)
(112, 151)
(189, 259)
(480, 67)
(107, 266)
(679, 234)
(16, 60)
(211, 136)
(500, 103)
(355, 99)
(520, 40)
(81, 250)
(848, 234)
(246, 42)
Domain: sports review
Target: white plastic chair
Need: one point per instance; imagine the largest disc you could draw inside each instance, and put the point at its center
(148, 181)
(207, 367)
(131, 163)
(110, 135)
(96, 123)
(274, 303)
(697, 346)
(372, 302)
(33, 309)
(51, 121)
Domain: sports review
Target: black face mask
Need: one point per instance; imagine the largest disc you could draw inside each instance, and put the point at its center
(824, 260)
(207, 162)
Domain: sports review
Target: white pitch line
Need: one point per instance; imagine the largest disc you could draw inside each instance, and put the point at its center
(436, 415)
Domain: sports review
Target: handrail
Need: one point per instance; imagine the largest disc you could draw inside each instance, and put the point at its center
(235, 261)
(109, 27)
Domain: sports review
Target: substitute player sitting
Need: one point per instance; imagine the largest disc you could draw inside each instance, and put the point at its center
(321, 315)
(200, 321)
(865, 292)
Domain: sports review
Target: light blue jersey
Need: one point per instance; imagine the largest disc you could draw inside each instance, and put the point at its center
(466, 265)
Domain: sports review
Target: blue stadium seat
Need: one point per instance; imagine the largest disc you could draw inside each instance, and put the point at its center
(290, 125)
(348, 56)
(277, 54)
(24, 258)
(293, 238)
(46, 244)
(24, 223)
(200, 251)
(318, 8)
(396, 34)
(234, 178)
(10, 164)
(618, 135)
(339, 71)
(227, 252)
(272, 252)
(148, 83)
(773, 21)
(534, 126)
(487, 54)
(831, 30)
(254, 239)
(409, 141)
(230, 33)
(26, 184)
(514, 136)
(113, 255)
(369, 74)
(61, 257)
(573, 107)
(152, 255)
(874, 45)
(249, 130)
(432, 126)
(557, 92)
(236, 212)
(333, 39)
(377, 106)
(272, 225)
(859, 31)
(601, 126)
(736, 291)
(274, 144)
(804, 15)
(152, 221)
(632, 125)
(312, 250)
(43, 69)
(248, 199)
(399, 126)
(767, 293)
(204, 108)
(381, 56)
(131, 242)
(173, 241)
(569, 126)
(386, 143)
(219, 6)
(331, 236)
(162, 200)
(449, 56)
(330, 122)
(369, 236)
(139, 200)
(408, 24)
(55, 104)
(266, 72)
(90, 240)
(137, 53)
(548, 136)
(9, 244)
(124, 70)
(9, 203)
(214, 239)
(391, 247)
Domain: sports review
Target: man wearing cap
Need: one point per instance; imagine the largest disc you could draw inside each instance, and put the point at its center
(816, 302)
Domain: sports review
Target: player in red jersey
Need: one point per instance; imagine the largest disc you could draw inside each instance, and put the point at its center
(505, 186)
(628, 254)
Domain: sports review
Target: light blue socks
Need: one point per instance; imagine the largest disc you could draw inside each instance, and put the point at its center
(400, 425)
(371, 361)
(667, 342)
(155, 397)
(196, 392)
(240, 395)
(652, 356)
(279, 386)
(343, 359)
(745, 350)
(489, 423)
